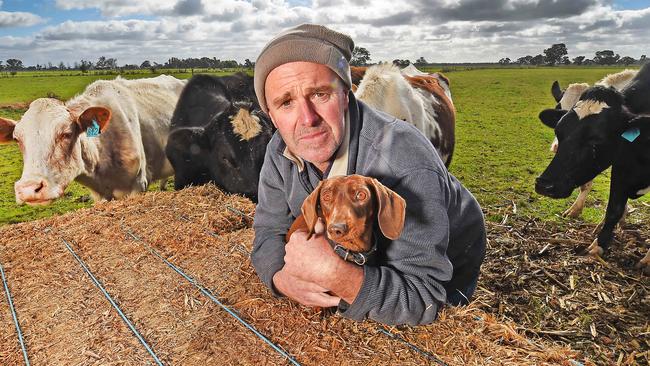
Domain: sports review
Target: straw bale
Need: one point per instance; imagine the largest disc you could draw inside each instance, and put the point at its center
(208, 235)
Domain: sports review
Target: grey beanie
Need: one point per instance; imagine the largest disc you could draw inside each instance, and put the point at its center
(309, 43)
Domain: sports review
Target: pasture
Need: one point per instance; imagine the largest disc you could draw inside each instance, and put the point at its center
(501, 145)
(532, 273)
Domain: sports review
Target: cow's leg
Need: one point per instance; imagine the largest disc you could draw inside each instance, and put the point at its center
(621, 222)
(644, 263)
(576, 208)
(615, 210)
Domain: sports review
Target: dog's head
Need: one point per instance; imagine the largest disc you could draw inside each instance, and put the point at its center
(349, 206)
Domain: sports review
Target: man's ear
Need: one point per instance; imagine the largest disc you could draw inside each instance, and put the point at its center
(551, 117)
(310, 209)
(556, 91)
(7, 129)
(101, 115)
(392, 210)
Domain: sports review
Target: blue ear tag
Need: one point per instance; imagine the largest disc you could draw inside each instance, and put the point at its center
(93, 131)
(631, 134)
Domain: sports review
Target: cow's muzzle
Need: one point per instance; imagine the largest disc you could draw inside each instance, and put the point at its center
(549, 188)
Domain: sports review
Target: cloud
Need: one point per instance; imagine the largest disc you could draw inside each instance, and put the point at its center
(18, 19)
(438, 30)
(189, 7)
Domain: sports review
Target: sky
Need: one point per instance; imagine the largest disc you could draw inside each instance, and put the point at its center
(42, 31)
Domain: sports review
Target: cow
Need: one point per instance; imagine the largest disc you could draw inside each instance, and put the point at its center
(219, 134)
(606, 127)
(110, 138)
(566, 99)
(421, 99)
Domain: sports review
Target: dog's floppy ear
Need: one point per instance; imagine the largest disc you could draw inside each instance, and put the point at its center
(310, 209)
(392, 210)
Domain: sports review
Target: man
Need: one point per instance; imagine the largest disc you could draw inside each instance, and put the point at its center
(302, 80)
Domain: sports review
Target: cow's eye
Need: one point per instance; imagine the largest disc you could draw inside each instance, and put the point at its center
(361, 195)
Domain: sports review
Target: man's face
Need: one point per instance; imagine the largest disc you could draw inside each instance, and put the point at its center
(307, 103)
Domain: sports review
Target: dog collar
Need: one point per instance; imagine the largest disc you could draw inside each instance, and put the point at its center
(359, 258)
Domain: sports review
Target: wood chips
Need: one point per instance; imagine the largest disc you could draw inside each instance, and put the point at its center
(67, 321)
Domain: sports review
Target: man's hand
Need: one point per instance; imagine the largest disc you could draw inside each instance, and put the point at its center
(306, 293)
(312, 269)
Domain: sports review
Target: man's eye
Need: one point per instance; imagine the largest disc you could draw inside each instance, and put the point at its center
(321, 96)
(286, 104)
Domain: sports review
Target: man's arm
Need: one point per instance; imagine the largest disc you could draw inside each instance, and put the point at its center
(272, 220)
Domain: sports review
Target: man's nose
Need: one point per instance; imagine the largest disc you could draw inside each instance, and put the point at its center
(308, 115)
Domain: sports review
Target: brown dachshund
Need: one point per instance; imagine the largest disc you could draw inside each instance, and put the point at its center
(349, 206)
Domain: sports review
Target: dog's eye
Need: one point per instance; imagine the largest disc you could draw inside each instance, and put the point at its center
(326, 195)
(361, 196)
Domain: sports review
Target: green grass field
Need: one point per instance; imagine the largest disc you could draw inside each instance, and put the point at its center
(501, 146)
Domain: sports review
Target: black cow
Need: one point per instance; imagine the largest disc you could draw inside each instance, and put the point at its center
(219, 134)
(605, 128)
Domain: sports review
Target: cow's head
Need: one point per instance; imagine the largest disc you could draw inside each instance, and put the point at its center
(588, 135)
(48, 137)
(229, 151)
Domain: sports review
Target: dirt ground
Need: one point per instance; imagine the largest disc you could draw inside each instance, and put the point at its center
(538, 303)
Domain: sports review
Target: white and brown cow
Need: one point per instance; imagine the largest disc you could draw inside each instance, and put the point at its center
(566, 99)
(422, 99)
(111, 138)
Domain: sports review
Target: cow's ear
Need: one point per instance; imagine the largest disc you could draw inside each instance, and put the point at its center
(556, 91)
(101, 115)
(7, 129)
(551, 117)
(640, 123)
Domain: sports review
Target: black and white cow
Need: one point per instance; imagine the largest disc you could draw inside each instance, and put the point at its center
(566, 99)
(604, 128)
(219, 134)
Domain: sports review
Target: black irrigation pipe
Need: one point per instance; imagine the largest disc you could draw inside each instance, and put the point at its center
(110, 299)
(209, 294)
(413, 347)
(13, 314)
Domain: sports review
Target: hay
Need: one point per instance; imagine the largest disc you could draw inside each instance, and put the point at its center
(66, 320)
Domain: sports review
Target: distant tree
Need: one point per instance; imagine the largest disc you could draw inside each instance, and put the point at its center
(104, 63)
(578, 60)
(14, 64)
(553, 55)
(1, 66)
(84, 66)
(62, 66)
(627, 60)
(606, 57)
(566, 60)
(588, 62)
(524, 60)
(360, 56)
(401, 63)
(537, 60)
(145, 64)
(249, 64)
(421, 61)
(505, 61)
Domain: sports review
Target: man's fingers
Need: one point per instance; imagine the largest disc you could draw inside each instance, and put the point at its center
(323, 299)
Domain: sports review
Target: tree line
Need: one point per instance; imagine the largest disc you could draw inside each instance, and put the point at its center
(108, 63)
(552, 56)
(557, 55)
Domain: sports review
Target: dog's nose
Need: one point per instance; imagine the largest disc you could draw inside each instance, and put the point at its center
(337, 230)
